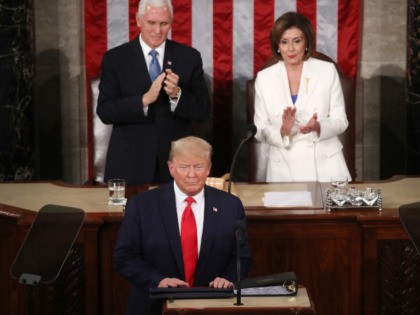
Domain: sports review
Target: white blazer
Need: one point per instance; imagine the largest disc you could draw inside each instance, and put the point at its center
(302, 157)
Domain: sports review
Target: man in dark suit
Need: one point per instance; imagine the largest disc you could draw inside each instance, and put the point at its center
(147, 113)
(150, 250)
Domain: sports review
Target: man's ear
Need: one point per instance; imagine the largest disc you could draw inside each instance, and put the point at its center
(171, 168)
(138, 19)
(209, 171)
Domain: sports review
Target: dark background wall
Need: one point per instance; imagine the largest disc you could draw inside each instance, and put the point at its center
(43, 114)
(16, 90)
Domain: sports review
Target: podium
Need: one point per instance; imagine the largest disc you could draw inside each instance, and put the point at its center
(252, 305)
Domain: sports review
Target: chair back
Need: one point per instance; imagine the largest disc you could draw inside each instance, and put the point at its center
(410, 219)
(257, 151)
(101, 136)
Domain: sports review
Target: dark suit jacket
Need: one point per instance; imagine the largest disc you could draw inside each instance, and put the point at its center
(137, 140)
(149, 246)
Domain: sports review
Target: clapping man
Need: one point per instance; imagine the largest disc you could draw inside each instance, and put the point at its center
(151, 90)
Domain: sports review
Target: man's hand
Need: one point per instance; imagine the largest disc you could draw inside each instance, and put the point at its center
(221, 283)
(172, 283)
(171, 83)
(150, 96)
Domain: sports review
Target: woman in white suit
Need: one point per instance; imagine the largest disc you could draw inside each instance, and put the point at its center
(299, 107)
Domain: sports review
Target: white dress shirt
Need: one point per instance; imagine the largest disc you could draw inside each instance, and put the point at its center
(197, 208)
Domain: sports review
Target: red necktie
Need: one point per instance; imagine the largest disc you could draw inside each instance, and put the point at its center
(189, 241)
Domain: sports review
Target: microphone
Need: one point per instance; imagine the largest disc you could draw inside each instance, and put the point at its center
(239, 230)
(239, 234)
(251, 130)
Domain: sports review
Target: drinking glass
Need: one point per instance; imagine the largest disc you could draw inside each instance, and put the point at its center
(116, 189)
(340, 182)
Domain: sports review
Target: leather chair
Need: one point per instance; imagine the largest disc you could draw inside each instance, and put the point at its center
(101, 134)
(410, 218)
(257, 151)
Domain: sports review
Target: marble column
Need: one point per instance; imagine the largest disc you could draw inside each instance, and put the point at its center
(16, 90)
(413, 85)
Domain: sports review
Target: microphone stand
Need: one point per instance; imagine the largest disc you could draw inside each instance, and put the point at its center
(251, 131)
(238, 270)
(233, 162)
(239, 233)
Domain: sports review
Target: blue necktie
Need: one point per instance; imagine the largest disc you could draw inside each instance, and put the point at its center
(154, 67)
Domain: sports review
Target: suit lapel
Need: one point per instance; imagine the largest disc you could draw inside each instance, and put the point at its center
(167, 207)
(306, 83)
(211, 219)
(137, 60)
(306, 89)
(169, 56)
(284, 88)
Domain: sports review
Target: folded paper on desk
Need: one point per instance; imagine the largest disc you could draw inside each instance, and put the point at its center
(190, 293)
(287, 199)
(282, 284)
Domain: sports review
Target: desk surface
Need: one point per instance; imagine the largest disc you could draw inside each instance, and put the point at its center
(346, 251)
(227, 305)
(94, 199)
(33, 196)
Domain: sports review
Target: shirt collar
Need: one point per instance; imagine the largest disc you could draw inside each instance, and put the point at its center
(146, 48)
(180, 196)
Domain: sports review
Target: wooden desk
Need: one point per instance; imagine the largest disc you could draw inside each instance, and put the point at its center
(352, 262)
(279, 305)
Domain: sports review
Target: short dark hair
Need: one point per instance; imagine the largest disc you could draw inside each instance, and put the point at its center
(286, 21)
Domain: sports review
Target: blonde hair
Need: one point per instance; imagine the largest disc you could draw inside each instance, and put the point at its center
(191, 145)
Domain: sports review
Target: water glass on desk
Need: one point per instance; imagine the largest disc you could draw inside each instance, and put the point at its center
(340, 183)
(339, 191)
(116, 189)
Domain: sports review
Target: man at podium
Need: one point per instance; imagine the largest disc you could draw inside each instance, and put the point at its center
(181, 234)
